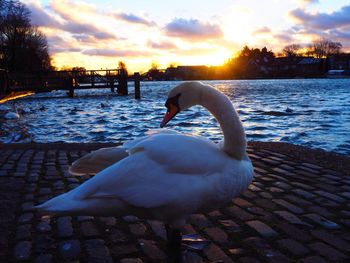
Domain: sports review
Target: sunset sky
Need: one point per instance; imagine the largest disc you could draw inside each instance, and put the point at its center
(97, 34)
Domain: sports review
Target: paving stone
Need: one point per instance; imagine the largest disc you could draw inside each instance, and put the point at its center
(70, 249)
(322, 221)
(44, 258)
(64, 226)
(263, 229)
(25, 218)
(303, 193)
(22, 250)
(43, 242)
(293, 247)
(137, 229)
(43, 227)
(150, 248)
(124, 250)
(191, 257)
(327, 251)
(28, 206)
(23, 231)
(265, 250)
(217, 235)
(131, 219)
(293, 219)
(117, 236)
(322, 211)
(331, 239)
(313, 259)
(131, 260)
(199, 220)
(242, 202)
(238, 212)
(289, 206)
(85, 218)
(248, 260)
(89, 229)
(215, 214)
(331, 196)
(214, 252)
(97, 252)
(108, 221)
(158, 228)
(230, 225)
(294, 232)
(238, 251)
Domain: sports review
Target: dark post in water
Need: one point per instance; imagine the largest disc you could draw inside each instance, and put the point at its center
(122, 82)
(137, 85)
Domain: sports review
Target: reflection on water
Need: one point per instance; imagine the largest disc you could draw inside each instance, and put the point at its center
(312, 112)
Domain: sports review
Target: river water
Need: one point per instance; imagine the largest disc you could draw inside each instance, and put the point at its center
(309, 112)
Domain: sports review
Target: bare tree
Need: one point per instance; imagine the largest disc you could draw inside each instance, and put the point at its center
(323, 48)
(291, 50)
(23, 46)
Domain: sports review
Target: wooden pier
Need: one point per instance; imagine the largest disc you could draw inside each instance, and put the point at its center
(114, 79)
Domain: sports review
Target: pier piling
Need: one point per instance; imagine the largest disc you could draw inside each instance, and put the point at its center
(122, 83)
(137, 85)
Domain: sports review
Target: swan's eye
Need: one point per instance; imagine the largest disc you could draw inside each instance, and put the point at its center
(173, 101)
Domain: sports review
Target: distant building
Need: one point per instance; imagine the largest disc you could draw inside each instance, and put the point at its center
(186, 73)
(338, 73)
(340, 61)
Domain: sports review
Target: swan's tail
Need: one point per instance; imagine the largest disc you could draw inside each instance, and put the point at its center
(62, 205)
(67, 204)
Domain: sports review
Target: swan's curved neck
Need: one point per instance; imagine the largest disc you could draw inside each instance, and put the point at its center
(220, 106)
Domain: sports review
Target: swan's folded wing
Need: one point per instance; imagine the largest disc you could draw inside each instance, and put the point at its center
(98, 160)
(161, 177)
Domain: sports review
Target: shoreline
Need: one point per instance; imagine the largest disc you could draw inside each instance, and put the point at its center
(330, 160)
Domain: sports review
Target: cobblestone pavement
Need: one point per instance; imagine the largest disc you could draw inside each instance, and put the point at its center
(293, 212)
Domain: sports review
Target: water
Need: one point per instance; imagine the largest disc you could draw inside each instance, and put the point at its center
(310, 112)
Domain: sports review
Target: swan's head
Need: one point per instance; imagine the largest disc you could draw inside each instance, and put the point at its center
(181, 97)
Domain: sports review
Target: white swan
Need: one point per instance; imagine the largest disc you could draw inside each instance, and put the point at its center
(168, 175)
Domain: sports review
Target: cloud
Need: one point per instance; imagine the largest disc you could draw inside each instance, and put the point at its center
(114, 53)
(58, 45)
(322, 21)
(262, 30)
(78, 28)
(73, 10)
(162, 45)
(103, 35)
(39, 16)
(131, 18)
(308, 2)
(192, 29)
(284, 37)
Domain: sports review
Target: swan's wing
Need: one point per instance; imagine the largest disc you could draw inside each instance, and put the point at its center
(160, 170)
(149, 133)
(96, 161)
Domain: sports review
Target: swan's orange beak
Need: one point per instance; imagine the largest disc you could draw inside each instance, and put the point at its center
(172, 111)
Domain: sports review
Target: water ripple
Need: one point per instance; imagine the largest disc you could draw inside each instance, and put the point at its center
(312, 112)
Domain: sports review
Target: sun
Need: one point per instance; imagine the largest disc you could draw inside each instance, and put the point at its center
(239, 24)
